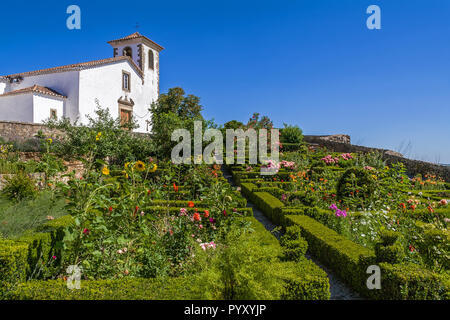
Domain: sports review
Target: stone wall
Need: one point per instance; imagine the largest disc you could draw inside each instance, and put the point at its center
(342, 138)
(20, 131)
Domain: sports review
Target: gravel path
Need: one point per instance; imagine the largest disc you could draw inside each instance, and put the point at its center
(338, 290)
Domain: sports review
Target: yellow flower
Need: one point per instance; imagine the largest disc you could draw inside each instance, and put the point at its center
(126, 165)
(98, 136)
(139, 166)
(125, 174)
(105, 171)
(50, 140)
(154, 167)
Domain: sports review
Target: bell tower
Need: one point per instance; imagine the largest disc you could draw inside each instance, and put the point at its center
(144, 53)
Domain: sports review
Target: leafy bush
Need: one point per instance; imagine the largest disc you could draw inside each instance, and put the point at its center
(294, 246)
(291, 134)
(103, 137)
(19, 186)
(356, 187)
(13, 264)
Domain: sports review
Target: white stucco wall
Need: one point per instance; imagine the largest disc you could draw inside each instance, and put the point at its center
(105, 84)
(65, 83)
(2, 87)
(17, 107)
(151, 76)
(42, 104)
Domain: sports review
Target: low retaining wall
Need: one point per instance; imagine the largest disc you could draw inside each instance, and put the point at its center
(21, 131)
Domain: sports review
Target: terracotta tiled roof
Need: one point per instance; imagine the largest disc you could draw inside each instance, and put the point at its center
(136, 35)
(76, 67)
(35, 89)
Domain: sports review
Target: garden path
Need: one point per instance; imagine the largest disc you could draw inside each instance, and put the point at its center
(338, 290)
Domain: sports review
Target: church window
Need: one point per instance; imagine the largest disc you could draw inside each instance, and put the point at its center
(151, 59)
(126, 79)
(53, 114)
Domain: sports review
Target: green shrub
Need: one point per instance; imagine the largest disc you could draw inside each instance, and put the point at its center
(350, 261)
(123, 289)
(433, 244)
(356, 188)
(13, 266)
(291, 134)
(388, 237)
(19, 186)
(411, 282)
(294, 246)
(269, 205)
(347, 258)
(304, 281)
(393, 253)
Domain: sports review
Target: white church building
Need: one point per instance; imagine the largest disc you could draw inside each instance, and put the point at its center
(126, 84)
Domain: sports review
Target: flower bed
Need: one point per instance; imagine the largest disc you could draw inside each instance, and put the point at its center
(345, 204)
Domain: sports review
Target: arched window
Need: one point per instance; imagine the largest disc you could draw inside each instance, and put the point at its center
(128, 52)
(151, 59)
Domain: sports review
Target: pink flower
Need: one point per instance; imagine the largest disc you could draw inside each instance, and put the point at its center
(54, 257)
(183, 212)
(333, 207)
(341, 213)
(443, 202)
(86, 231)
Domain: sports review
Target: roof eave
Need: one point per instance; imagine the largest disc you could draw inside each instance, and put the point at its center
(149, 42)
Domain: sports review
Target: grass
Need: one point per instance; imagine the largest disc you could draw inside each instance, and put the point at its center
(18, 217)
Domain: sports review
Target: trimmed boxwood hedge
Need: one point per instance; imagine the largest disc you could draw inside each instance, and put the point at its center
(123, 289)
(19, 258)
(270, 205)
(13, 265)
(350, 261)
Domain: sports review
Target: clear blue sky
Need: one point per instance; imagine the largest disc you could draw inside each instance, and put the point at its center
(312, 63)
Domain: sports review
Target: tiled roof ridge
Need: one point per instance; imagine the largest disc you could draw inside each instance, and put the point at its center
(77, 66)
(37, 89)
(136, 35)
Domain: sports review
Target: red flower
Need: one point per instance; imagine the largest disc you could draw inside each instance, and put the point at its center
(190, 204)
(225, 213)
(86, 231)
(206, 215)
(175, 187)
(110, 209)
(197, 217)
(411, 248)
(148, 192)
